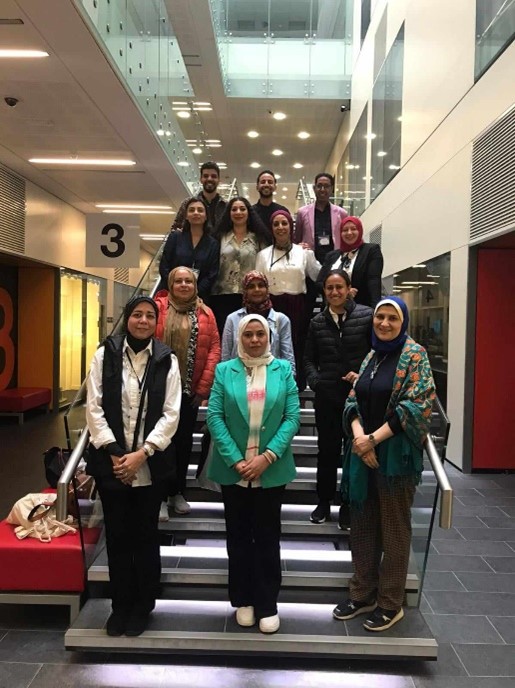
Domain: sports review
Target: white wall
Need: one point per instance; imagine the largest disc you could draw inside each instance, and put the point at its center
(425, 210)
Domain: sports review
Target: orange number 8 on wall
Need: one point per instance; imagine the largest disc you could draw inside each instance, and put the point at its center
(6, 343)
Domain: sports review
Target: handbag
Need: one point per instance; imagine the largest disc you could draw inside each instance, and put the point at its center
(82, 485)
(34, 516)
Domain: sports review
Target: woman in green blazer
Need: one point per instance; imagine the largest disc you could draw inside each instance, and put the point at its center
(253, 415)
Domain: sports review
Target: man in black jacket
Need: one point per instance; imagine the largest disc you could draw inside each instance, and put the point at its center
(338, 341)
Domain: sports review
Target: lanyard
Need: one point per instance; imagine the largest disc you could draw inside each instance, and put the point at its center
(273, 262)
(145, 372)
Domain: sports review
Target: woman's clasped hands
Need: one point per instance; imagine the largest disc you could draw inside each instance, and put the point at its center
(363, 447)
(125, 467)
(251, 469)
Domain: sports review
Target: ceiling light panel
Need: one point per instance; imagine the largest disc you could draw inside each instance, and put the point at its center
(82, 161)
(14, 54)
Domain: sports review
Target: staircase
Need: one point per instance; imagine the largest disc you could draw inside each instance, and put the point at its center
(193, 615)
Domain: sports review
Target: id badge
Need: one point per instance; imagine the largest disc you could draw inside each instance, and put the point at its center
(323, 241)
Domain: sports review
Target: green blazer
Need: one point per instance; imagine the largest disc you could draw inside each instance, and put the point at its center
(228, 422)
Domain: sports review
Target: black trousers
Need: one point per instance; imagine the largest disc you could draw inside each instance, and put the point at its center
(223, 305)
(328, 419)
(253, 522)
(131, 522)
(183, 442)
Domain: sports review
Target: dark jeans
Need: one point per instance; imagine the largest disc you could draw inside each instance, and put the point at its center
(131, 522)
(183, 442)
(328, 419)
(253, 521)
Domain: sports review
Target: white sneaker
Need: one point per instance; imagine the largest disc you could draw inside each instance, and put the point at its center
(163, 513)
(181, 506)
(245, 616)
(270, 624)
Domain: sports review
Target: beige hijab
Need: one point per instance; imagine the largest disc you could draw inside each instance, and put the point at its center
(177, 330)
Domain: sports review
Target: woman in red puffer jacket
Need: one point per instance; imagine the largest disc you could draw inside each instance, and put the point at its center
(189, 328)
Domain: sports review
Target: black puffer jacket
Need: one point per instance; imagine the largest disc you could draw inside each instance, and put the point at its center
(328, 357)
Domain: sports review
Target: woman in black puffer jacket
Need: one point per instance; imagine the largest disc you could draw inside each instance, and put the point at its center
(338, 341)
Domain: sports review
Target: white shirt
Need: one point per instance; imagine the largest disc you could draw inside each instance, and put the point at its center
(161, 436)
(338, 264)
(335, 316)
(287, 270)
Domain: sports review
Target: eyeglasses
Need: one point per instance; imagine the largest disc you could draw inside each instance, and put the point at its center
(321, 187)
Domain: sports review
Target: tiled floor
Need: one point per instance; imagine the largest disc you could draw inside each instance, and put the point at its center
(469, 603)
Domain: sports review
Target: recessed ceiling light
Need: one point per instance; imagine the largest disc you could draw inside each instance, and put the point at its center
(197, 151)
(303, 135)
(277, 152)
(160, 132)
(183, 163)
(371, 136)
(252, 134)
(139, 212)
(285, 188)
(277, 176)
(284, 197)
(279, 115)
(23, 53)
(132, 206)
(298, 166)
(381, 154)
(184, 114)
(255, 165)
(81, 161)
(394, 167)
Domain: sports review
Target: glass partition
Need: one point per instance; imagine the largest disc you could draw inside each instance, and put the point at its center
(139, 40)
(425, 289)
(387, 118)
(277, 49)
(351, 172)
(495, 30)
(82, 327)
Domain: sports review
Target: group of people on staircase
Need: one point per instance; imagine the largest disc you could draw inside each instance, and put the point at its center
(253, 286)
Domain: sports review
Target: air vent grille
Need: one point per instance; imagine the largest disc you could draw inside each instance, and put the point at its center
(121, 275)
(376, 235)
(12, 212)
(493, 180)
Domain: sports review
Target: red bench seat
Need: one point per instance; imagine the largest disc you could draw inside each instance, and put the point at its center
(19, 399)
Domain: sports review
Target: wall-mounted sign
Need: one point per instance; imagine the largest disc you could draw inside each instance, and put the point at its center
(111, 242)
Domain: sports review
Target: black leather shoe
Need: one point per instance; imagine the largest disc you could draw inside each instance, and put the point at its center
(136, 624)
(322, 513)
(116, 624)
(344, 517)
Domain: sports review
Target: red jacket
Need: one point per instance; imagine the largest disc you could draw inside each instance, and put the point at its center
(208, 350)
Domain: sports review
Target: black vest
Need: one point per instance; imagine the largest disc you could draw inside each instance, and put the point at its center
(99, 462)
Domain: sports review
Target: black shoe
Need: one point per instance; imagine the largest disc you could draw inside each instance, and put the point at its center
(116, 624)
(344, 517)
(322, 513)
(349, 609)
(137, 624)
(381, 619)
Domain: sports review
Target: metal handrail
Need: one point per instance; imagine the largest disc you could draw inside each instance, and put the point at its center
(447, 493)
(303, 192)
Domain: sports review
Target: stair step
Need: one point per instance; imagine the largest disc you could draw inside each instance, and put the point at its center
(200, 627)
(206, 519)
(207, 566)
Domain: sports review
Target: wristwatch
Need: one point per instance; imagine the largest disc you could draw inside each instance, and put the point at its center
(372, 440)
(148, 449)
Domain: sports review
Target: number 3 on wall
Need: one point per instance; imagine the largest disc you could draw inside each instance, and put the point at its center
(6, 343)
(115, 239)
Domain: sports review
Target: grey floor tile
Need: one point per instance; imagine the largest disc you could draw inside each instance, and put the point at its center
(130, 675)
(478, 510)
(442, 580)
(497, 493)
(488, 500)
(450, 562)
(488, 582)
(491, 534)
(488, 660)
(460, 521)
(463, 682)
(481, 547)
(446, 534)
(501, 564)
(506, 627)
(17, 675)
(499, 522)
(470, 603)
(510, 510)
(39, 646)
(458, 628)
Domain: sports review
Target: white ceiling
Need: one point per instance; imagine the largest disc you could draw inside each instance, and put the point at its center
(73, 103)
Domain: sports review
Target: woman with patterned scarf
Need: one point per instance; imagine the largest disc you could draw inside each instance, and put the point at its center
(253, 416)
(188, 327)
(387, 414)
(256, 299)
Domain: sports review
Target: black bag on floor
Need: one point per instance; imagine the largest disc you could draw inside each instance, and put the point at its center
(55, 460)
